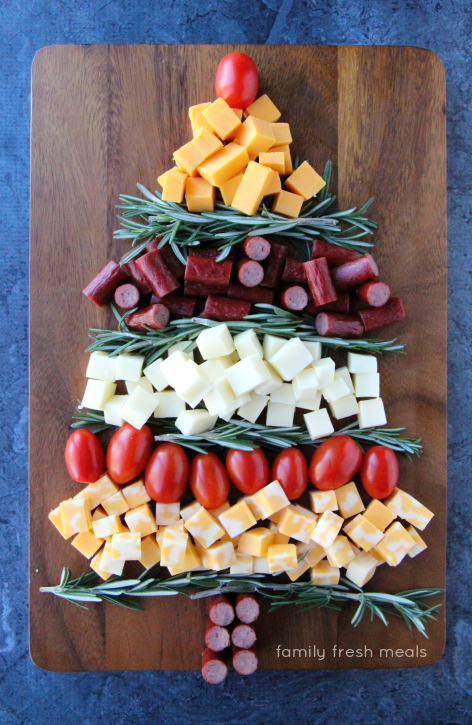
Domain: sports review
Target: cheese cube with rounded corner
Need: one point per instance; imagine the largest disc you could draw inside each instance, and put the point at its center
(55, 518)
(128, 367)
(221, 117)
(363, 533)
(283, 394)
(287, 204)
(87, 543)
(260, 565)
(135, 494)
(220, 555)
(96, 394)
(116, 504)
(275, 161)
(150, 552)
(215, 367)
(406, 507)
(361, 569)
(270, 499)
(349, 501)
(280, 415)
(251, 411)
(371, 413)
(108, 564)
(126, 547)
(76, 516)
(252, 189)
(174, 186)
(229, 188)
(215, 342)
(237, 518)
(282, 134)
(419, 546)
(340, 553)
(199, 195)
(395, 544)
(357, 363)
(143, 382)
(263, 108)
(344, 407)
(256, 542)
(189, 510)
(244, 564)
(324, 369)
(318, 424)
(282, 557)
(155, 376)
(346, 376)
(187, 158)
(247, 374)
(297, 523)
(220, 398)
(322, 501)
(335, 390)
(173, 367)
(138, 408)
(305, 384)
(173, 547)
(195, 422)
(97, 492)
(328, 527)
(323, 574)
(310, 403)
(255, 135)
(207, 143)
(101, 367)
(169, 405)
(271, 385)
(305, 181)
(247, 343)
(167, 513)
(204, 527)
(225, 164)
(192, 386)
(106, 527)
(197, 119)
(291, 359)
(112, 410)
(141, 520)
(379, 515)
(271, 344)
(367, 385)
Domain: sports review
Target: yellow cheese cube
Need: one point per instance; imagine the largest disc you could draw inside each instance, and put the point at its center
(204, 527)
(135, 494)
(275, 185)
(288, 158)
(173, 187)
(271, 499)
(189, 510)
(116, 504)
(340, 553)
(256, 542)
(363, 533)
(287, 204)
(187, 158)
(281, 538)
(244, 564)
(238, 112)
(379, 515)
(197, 119)
(275, 161)
(220, 555)
(237, 518)
(150, 552)
(305, 181)
(221, 118)
(173, 547)
(255, 135)
(408, 508)
(97, 492)
(191, 560)
(174, 170)
(229, 188)
(349, 501)
(55, 518)
(87, 543)
(76, 516)
(282, 557)
(225, 164)
(167, 513)
(95, 565)
(141, 520)
(297, 523)
(395, 544)
(264, 108)
(327, 529)
(282, 134)
(275, 517)
(108, 563)
(105, 527)
(322, 501)
(224, 507)
(323, 574)
(207, 143)
(199, 195)
(252, 188)
(419, 546)
(361, 569)
(126, 547)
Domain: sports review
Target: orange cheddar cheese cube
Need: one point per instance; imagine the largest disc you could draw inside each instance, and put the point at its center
(379, 515)
(322, 501)
(419, 546)
(264, 109)
(225, 164)
(305, 181)
(297, 523)
(174, 187)
(95, 565)
(204, 528)
(340, 553)
(116, 504)
(187, 158)
(288, 158)
(256, 542)
(97, 492)
(220, 555)
(87, 543)
(141, 520)
(76, 516)
(270, 500)
(275, 161)
(199, 195)
(150, 552)
(275, 185)
(323, 574)
(287, 204)
(327, 528)
(174, 170)
(349, 501)
(135, 494)
(255, 135)
(361, 569)
(207, 143)
(126, 547)
(252, 188)
(237, 518)
(230, 187)
(221, 118)
(395, 544)
(408, 508)
(363, 533)
(282, 557)
(197, 119)
(282, 134)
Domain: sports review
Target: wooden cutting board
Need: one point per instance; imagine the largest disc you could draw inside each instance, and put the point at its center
(107, 116)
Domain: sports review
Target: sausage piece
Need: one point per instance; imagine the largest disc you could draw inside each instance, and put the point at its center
(333, 253)
(176, 304)
(319, 281)
(137, 276)
(155, 316)
(256, 248)
(221, 610)
(216, 637)
(375, 317)
(273, 265)
(249, 272)
(294, 298)
(340, 305)
(224, 309)
(100, 290)
(171, 261)
(200, 289)
(244, 661)
(356, 272)
(334, 324)
(208, 271)
(154, 244)
(243, 636)
(250, 294)
(127, 296)
(247, 608)
(294, 272)
(158, 275)
(374, 293)
(214, 669)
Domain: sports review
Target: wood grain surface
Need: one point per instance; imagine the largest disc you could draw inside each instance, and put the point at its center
(107, 116)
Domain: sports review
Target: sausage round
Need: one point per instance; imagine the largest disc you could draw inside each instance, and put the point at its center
(127, 296)
(221, 610)
(154, 316)
(223, 309)
(256, 248)
(249, 272)
(216, 637)
(333, 324)
(375, 317)
(214, 669)
(294, 298)
(247, 608)
(374, 293)
(334, 253)
(354, 273)
(243, 636)
(100, 290)
(244, 661)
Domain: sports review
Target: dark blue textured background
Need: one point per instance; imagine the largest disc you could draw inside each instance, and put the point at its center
(438, 694)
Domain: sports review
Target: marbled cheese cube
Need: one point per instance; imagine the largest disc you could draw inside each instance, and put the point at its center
(160, 536)
(150, 552)
(167, 513)
(215, 367)
(247, 343)
(126, 547)
(323, 574)
(191, 560)
(367, 385)
(135, 494)
(87, 543)
(270, 499)
(310, 403)
(282, 557)
(270, 345)
(220, 398)
(237, 518)
(280, 415)
(204, 527)
(97, 492)
(349, 501)
(104, 528)
(220, 555)
(346, 376)
(327, 528)
(56, 519)
(143, 382)
(190, 509)
(101, 367)
(155, 375)
(281, 538)
(371, 413)
(376, 554)
(128, 367)
(274, 382)
(419, 546)
(256, 510)
(361, 569)
(335, 390)
(256, 542)
(216, 512)
(322, 501)
(97, 393)
(112, 410)
(116, 504)
(276, 516)
(340, 553)
(247, 374)
(318, 424)
(379, 515)
(314, 348)
(195, 422)
(215, 342)
(138, 408)
(324, 369)
(361, 363)
(141, 520)
(408, 508)
(344, 407)
(244, 564)
(253, 408)
(76, 516)
(260, 565)
(305, 384)
(291, 359)
(110, 565)
(395, 544)
(173, 546)
(283, 394)
(297, 523)
(363, 533)
(95, 565)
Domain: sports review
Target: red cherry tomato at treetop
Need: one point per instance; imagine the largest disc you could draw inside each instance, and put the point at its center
(237, 80)
(335, 462)
(166, 473)
(290, 469)
(85, 459)
(128, 452)
(248, 470)
(208, 480)
(379, 471)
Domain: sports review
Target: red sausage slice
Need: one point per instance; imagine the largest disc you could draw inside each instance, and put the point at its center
(158, 275)
(214, 669)
(333, 253)
(136, 274)
(356, 272)
(334, 324)
(250, 294)
(244, 661)
(375, 317)
(249, 272)
(176, 304)
(127, 296)
(221, 610)
(216, 637)
(154, 316)
(294, 298)
(202, 289)
(207, 270)
(223, 309)
(171, 261)
(340, 305)
(243, 636)
(274, 265)
(374, 293)
(100, 290)
(256, 248)
(294, 272)
(319, 281)
(247, 608)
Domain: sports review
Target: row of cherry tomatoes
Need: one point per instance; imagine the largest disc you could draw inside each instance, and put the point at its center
(167, 470)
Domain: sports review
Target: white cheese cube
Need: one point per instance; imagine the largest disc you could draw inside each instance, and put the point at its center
(371, 413)
(155, 375)
(346, 376)
(215, 368)
(318, 424)
(138, 408)
(247, 343)
(128, 367)
(173, 368)
(220, 398)
(305, 384)
(169, 405)
(247, 374)
(291, 359)
(310, 403)
(361, 363)
(227, 415)
(144, 383)
(167, 513)
(192, 386)
(344, 407)
(251, 411)
(97, 393)
(324, 369)
(195, 422)
(239, 401)
(112, 409)
(270, 345)
(215, 342)
(361, 569)
(270, 385)
(280, 415)
(335, 390)
(101, 367)
(367, 385)
(181, 346)
(314, 348)
(284, 394)
(126, 547)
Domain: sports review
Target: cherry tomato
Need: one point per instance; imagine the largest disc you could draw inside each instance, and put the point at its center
(379, 471)
(290, 469)
(128, 452)
(335, 462)
(208, 480)
(166, 473)
(237, 80)
(84, 456)
(248, 470)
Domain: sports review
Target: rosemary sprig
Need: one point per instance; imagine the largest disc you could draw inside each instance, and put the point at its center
(407, 605)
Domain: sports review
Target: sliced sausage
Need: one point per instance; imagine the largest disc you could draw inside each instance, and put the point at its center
(334, 324)
(221, 610)
(155, 316)
(127, 296)
(208, 271)
(153, 244)
(158, 275)
(136, 274)
(176, 304)
(216, 638)
(171, 261)
(333, 253)
(294, 272)
(254, 295)
(374, 293)
(200, 289)
(294, 298)
(249, 272)
(224, 309)
(319, 281)
(273, 265)
(101, 289)
(340, 305)
(354, 273)
(247, 608)
(375, 317)
(214, 669)
(256, 248)
(244, 661)
(243, 636)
